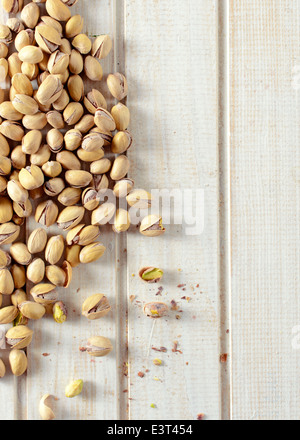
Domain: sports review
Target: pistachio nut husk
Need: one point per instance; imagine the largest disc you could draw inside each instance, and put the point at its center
(6, 210)
(104, 120)
(70, 217)
(54, 249)
(123, 187)
(35, 122)
(31, 177)
(45, 409)
(2, 368)
(73, 113)
(44, 293)
(46, 213)
(50, 90)
(12, 130)
(69, 196)
(139, 199)
(98, 346)
(55, 275)
(101, 46)
(55, 140)
(19, 337)
(18, 362)
(122, 221)
(74, 26)
(36, 271)
(8, 314)
(94, 100)
(18, 297)
(151, 274)
(58, 10)
(91, 253)
(16, 191)
(117, 85)
(68, 160)
(101, 166)
(78, 178)
(60, 312)
(90, 199)
(37, 241)
(15, 24)
(61, 103)
(32, 310)
(121, 115)
(25, 104)
(8, 111)
(12, 6)
(19, 275)
(30, 15)
(18, 158)
(31, 142)
(74, 388)
(48, 38)
(73, 139)
(52, 168)
(96, 306)
(5, 259)
(82, 43)
(151, 226)
(54, 187)
(41, 156)
(55, 119)
(58, 62)
(82, 235)
(31, 54)
(20, 253)
(72, 255)
(90, 156)
(121, 142)
(120, 168)
(5, 166)
(102, 215)
(93, 68)
(85, 124)
(155, 309)
(5, 34)
(92, 142)
(76, 88)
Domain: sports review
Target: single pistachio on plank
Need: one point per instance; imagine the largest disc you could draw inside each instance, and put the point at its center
(46, 213)
(5, 259)
(44, 293)
(121, 221)
(104, 120)
(101, 46)
(18, 362)
(37, 241)
(12, 130)
(74, 388)
(94, 100)
(121, 142)
(48, 38)
(8, 314)
(82, 43)
(6, 210)
(69, 196)
(12, 6)
(45, 409)
(102, 215)
(31, 177)
(123, 187)
(32, 310)
(70, 217)
(2, 368)
(54, 249)
(91, 253)
(96, 306)
(30, 15)
(74, 26)
(18, 297)
(60, 312)
(151, 274)
(98, 346)
(6, 282)
(82, 235)
(58, 10)
(19, 275)
(36, 271)
(20, 253)
(121, 115)
(120, 168)
(155, 309)
(19, 337)
(151, 226)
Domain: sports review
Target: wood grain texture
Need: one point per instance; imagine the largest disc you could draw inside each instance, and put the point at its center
(265, 208)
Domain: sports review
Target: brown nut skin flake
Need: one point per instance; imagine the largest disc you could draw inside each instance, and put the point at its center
(155, 309)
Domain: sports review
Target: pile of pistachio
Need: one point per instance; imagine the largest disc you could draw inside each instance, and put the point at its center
(61, 150)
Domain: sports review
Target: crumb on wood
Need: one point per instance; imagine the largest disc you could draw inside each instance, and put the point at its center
(46, 354)
(132, 298)
(141, 374)
(223, 358)
(175, 348)
(201, 416)
(82, 349)
(161, 349)
(174, 306)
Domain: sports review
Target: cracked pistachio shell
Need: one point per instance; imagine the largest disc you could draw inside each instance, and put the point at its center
(122, 221)
(68, 160)
(54, 186)
(139, 199)
(73, 113)
(19, 337)
(104, 120)
(72, 255)
(120, 168)
(52, 168)
(58, 10)
(69, 196)
(121, 142)
(41, 156)
(31, 54)
(101, 166)
(94, 100)
(6, 282)
(54, 249)
(47, 37)
(60, 312)
(45, 409)
(117, 85)
(75, 62)
(22, 84)
(30, 15)
(8, 314)
(91, 253)
(16, 191)
(155, 309)
(46, 213)
(85, 124)
(18, 297)
(73, 139)
(25, 104)
(24, 209)
(58, 62)
(5, 165)
(90, 156)
(92, 142)
(55, 119)
(151, 226)
(18, 362)
(74, 388)
(12, 130)
(12, 6)
(31, 142)
(19, 276)
(151, 274)
(18, 158)
(44, 293)
(61, 103)
(30, 70)
(101, 46)
(36, 271)
(70, 217)
(78, 178)
(3, 50)
(102, 215)
(74, 26)
(93, 68)
(6, 210)
(5, 259)
(82, 235)
(37, 241)
(5, 34)
(99, 346)
(123, 188)
(2, 368)
(31, 177)
(121, 115)
(96, 306)
(49, 21)
(15, 24)
(100, 182)
(50, 90)
(32, 310)
(90, 199)
(20, 253)
(35, 122)
(55, 140)
(82, 43)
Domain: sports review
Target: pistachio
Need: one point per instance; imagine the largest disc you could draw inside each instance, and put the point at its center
(69, 196)
(59, 312)
(72, 255)
(18, 297)
(93, 68)
(18, 158)
(73, 113)
(8, 314)
(12, 130)
(65, 47)
(5, 165)
(16, 191)
(106, 135)
(36, 271)
(41, 156)
(5, 259)
(117, 85)
(37, 241)
(90, 156)
(92, 142)
(23, 209)
(101, 46)
(96, 306)
(68, 160)
(30, 15)
(70, 2)
(5, 34)
(31, 142)
(102, 215)
(44, 293)
(155, 309)
(50, 21)
(58, 62)
(122, 221)
(76, 87)
(90, 199)
(55, 140)
(151, 274)
(46, 213)
(24, 38)
(14, 64)
(25, 104)
(37, 193)
(55, 275)
(139, 199)
(70, 217)
(100, 183)
(6, 210)
(8, 111)
(3, 69)
(2, 368)
(18, 362)
(31, 177)
(61, 103)
(78, 178)
(104, 120)
(151, 226)
(91, 253)
(101, 166)
(19, 276)
(82, 235)
(58, 10)
(50, 90)
(54, 249)
(94, 100)
(82, 43)
(73, 139)
(55, 119)
(98, 346)
(45, 410)
(4, 146)
(20, 320)
(67, 268)
(120, 168)
(31, 54)
(6, 282)
(121, 115)
(52, 168)
(74, 388)
(35, 122)
(19, 337)
(15, 24)
(123, 187)
(32, 310)
(3, 50)
(74, 26)
(20, 253)
(3, 185)
(85, 123)
(121, 142)
(54, 187)
(12, 6)
(48, 38)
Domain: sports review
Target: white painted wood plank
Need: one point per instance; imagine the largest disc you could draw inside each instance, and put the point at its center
(171, 65)
(265, 208)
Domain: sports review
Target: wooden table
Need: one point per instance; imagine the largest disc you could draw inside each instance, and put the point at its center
(214, 97)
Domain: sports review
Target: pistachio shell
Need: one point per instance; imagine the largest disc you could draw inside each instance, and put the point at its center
(121, 115)
(8, 314)
(96, 306)
(74, 26)
(117, 85)
(91, 253)
(32, 310)
(151, 226)
(82, 235)
(74, 388)
(37, 241)
(31, 177)
(101, 46)
(102, 215)
(123, 187)
(120, 168)
(45, 410)
(19, 337)
(18, 362)
(139, 198)
(31, 54)
(70, 217)
(46, 213)
(58, 10)
(151, 274)
(2, 369)
(36, 271)
(78, 178)
(155, 309)
(99, 346)
(82, 43)
(72, 255)
(44, 293)
(54, 249)
(69, 196)
(20, 253)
